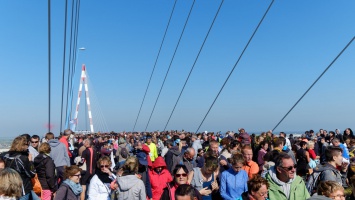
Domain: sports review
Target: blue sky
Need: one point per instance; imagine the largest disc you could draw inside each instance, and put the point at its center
(294, 44)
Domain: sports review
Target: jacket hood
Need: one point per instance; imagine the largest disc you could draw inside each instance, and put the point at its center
(53, 142)
(127, 182)
(326, 166)
(175, 150)
(272, 173)
(159, 162)
(15, 153)
(39, 158)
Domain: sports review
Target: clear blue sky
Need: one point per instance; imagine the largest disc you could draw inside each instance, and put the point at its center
(295, 43)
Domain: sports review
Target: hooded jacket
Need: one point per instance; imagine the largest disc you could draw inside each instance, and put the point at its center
(172, 158)
(158, 181)
(295, 189)
(59, 153)
(329, 173)
(45, 169)
(130, 188)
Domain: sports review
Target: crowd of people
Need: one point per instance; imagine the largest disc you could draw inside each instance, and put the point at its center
(177, 165)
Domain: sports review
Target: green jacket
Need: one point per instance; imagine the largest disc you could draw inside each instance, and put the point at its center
(298, 190)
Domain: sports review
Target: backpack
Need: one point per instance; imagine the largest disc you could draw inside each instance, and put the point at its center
(312, 182)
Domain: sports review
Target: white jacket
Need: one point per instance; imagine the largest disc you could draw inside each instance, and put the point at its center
(99, 190)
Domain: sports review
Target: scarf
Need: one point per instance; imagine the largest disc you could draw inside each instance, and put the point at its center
(75, 187)
(103, 176)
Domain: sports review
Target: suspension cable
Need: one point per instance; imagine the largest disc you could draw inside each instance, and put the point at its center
(326, 69)
(49, 65)
(240, 56)
(187, 79)
(68, 115)
(156, 60)
(167, 72)
(64, 53)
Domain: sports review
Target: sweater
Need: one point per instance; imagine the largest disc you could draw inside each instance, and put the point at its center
(233, 184)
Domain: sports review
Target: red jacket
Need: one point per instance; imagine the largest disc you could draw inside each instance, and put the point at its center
(159, 181)
(65, 142)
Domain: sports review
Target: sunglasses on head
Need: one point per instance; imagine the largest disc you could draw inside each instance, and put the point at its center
(179, 175)
(102, 166)
(290, 167)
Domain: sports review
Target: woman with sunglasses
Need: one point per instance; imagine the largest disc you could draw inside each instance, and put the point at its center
(70, 187)
(99, 187)
(234, 180)
(180, 173)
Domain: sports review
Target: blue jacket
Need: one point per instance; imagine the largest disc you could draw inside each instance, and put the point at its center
(233, 184)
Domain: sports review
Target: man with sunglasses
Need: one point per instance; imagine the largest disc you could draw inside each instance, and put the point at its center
(33, 147)
(284, 183)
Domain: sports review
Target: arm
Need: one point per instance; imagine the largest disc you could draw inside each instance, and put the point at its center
(50, 170)
(223, 187)
(66, 156)
(93, 188)
(28, 166)
(148, 186)
(61, 193)
(307, 156)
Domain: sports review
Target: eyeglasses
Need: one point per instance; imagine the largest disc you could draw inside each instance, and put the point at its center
(34, 141)
(263, 194)
(179, 175)
(289, 168)
(78, 175)
(102, 166)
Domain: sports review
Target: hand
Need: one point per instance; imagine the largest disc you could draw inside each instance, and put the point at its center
(107, 171)
(205, 191)
(223, 162)
(215, 185)
(344, 166)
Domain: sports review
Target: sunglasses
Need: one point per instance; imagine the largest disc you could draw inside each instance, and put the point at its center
(290, 167)
(179, 175)
(102, 166)
(78, 175)
(34, 141)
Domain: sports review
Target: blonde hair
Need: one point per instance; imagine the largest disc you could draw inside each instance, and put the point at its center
(11, 183)
(326, 188)
(104, 158)
(310, 143)
(44, 148)
(18, 143)
(131, 165)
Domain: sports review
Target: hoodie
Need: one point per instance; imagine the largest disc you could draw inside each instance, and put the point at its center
(329, 173)
(130, 188)
(158, 181)
(294, 189)
(172, 158)
(59, 153)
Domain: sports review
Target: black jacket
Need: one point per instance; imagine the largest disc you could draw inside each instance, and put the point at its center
(45, 169)
(18, 160)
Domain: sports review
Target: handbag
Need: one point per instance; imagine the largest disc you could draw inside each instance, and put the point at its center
(37, 188)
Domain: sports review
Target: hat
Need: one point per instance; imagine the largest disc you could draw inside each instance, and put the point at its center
(142, 158)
